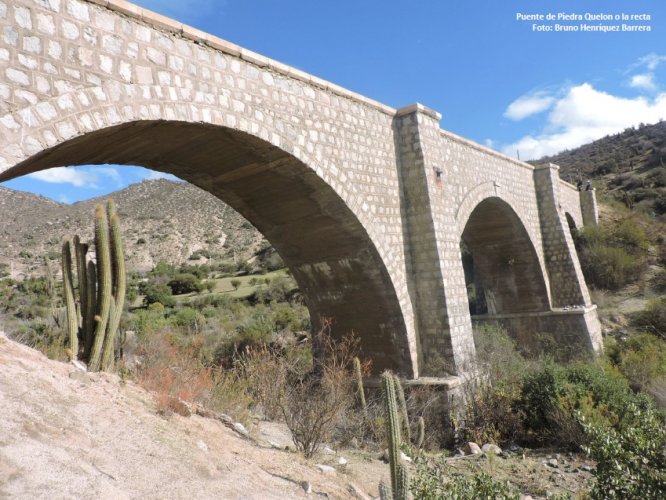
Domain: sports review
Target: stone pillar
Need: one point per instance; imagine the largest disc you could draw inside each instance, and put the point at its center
(588, 207)
(435, 274)
(567, 285)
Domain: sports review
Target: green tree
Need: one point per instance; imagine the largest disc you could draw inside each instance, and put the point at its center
(185, 283)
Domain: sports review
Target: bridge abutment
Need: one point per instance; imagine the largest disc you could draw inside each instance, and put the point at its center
(588, 207)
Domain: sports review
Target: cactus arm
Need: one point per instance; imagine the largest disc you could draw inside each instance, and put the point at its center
(421, 434)
(104, 286)
(119, 286)
(402, 487)
(68, 290)
(91, 304)
(392, 426)
(359, 384)
(385, 492)
(80, 250)
(402, 408)
(107, 348)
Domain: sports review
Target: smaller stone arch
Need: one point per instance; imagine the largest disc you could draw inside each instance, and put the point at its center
(506, 267)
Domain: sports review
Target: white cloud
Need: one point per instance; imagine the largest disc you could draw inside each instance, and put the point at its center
(528, 105)
(81, 177)
(585, 114)
(650, 61)
(64, 175)
(643, 81)
(111, 173)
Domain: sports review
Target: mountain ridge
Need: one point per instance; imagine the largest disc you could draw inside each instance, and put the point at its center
(160, 219)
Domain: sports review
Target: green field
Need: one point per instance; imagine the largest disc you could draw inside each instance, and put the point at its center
(223, 285)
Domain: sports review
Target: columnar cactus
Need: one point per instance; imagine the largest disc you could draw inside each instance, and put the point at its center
(399, 479)
(68, 291)
(104, 287)
(359, 384)
(421, 434)
(402, 407)
(119, 287)
(101, 290)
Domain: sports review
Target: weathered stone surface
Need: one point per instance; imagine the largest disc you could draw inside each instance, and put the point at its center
(489, 448)
(471, 449)
(365, 203)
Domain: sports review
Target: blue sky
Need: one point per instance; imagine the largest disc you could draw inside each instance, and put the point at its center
(494, 79)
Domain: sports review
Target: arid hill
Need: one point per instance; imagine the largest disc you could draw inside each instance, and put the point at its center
(162, 220)
(629, 166)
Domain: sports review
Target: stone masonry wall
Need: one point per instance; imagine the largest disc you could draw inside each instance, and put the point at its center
(566, 278)
(570, 202)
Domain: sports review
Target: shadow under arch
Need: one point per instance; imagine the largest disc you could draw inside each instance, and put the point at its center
(327, 248)
(501, 262)
(571, 223)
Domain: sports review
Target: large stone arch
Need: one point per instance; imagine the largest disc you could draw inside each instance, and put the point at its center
(321, 226)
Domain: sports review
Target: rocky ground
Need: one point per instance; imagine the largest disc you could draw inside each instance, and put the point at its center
(65, 433)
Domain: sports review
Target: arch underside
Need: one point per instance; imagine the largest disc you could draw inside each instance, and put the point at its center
(506, 265)
(330, 254)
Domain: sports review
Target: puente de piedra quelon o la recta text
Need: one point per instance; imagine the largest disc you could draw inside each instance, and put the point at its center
(367, 205)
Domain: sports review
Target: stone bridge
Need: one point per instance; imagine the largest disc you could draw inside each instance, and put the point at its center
(369, 206)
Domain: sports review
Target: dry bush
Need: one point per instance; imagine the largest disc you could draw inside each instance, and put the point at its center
(488, 415)
(265, 374)
(230, 394)
(315, 404)
(174, 375)
(430, 403)
(315, 397)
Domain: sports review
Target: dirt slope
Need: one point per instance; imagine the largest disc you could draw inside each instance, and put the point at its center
(69, 434)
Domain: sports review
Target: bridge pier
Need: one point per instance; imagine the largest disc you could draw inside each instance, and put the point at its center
(435, 276)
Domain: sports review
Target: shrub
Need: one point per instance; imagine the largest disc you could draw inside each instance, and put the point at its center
(236, 283)
(630, 234)
(189, 319)
(148, 321)
(612, 256)
(653, 317)
(631, 459)
(641, 358)
(609, 267)
(660, 204)
(499, 356)
(173, 374)
(433, 481)
(488, 415)
(314, 404)
(552, 397)
(278, 290)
